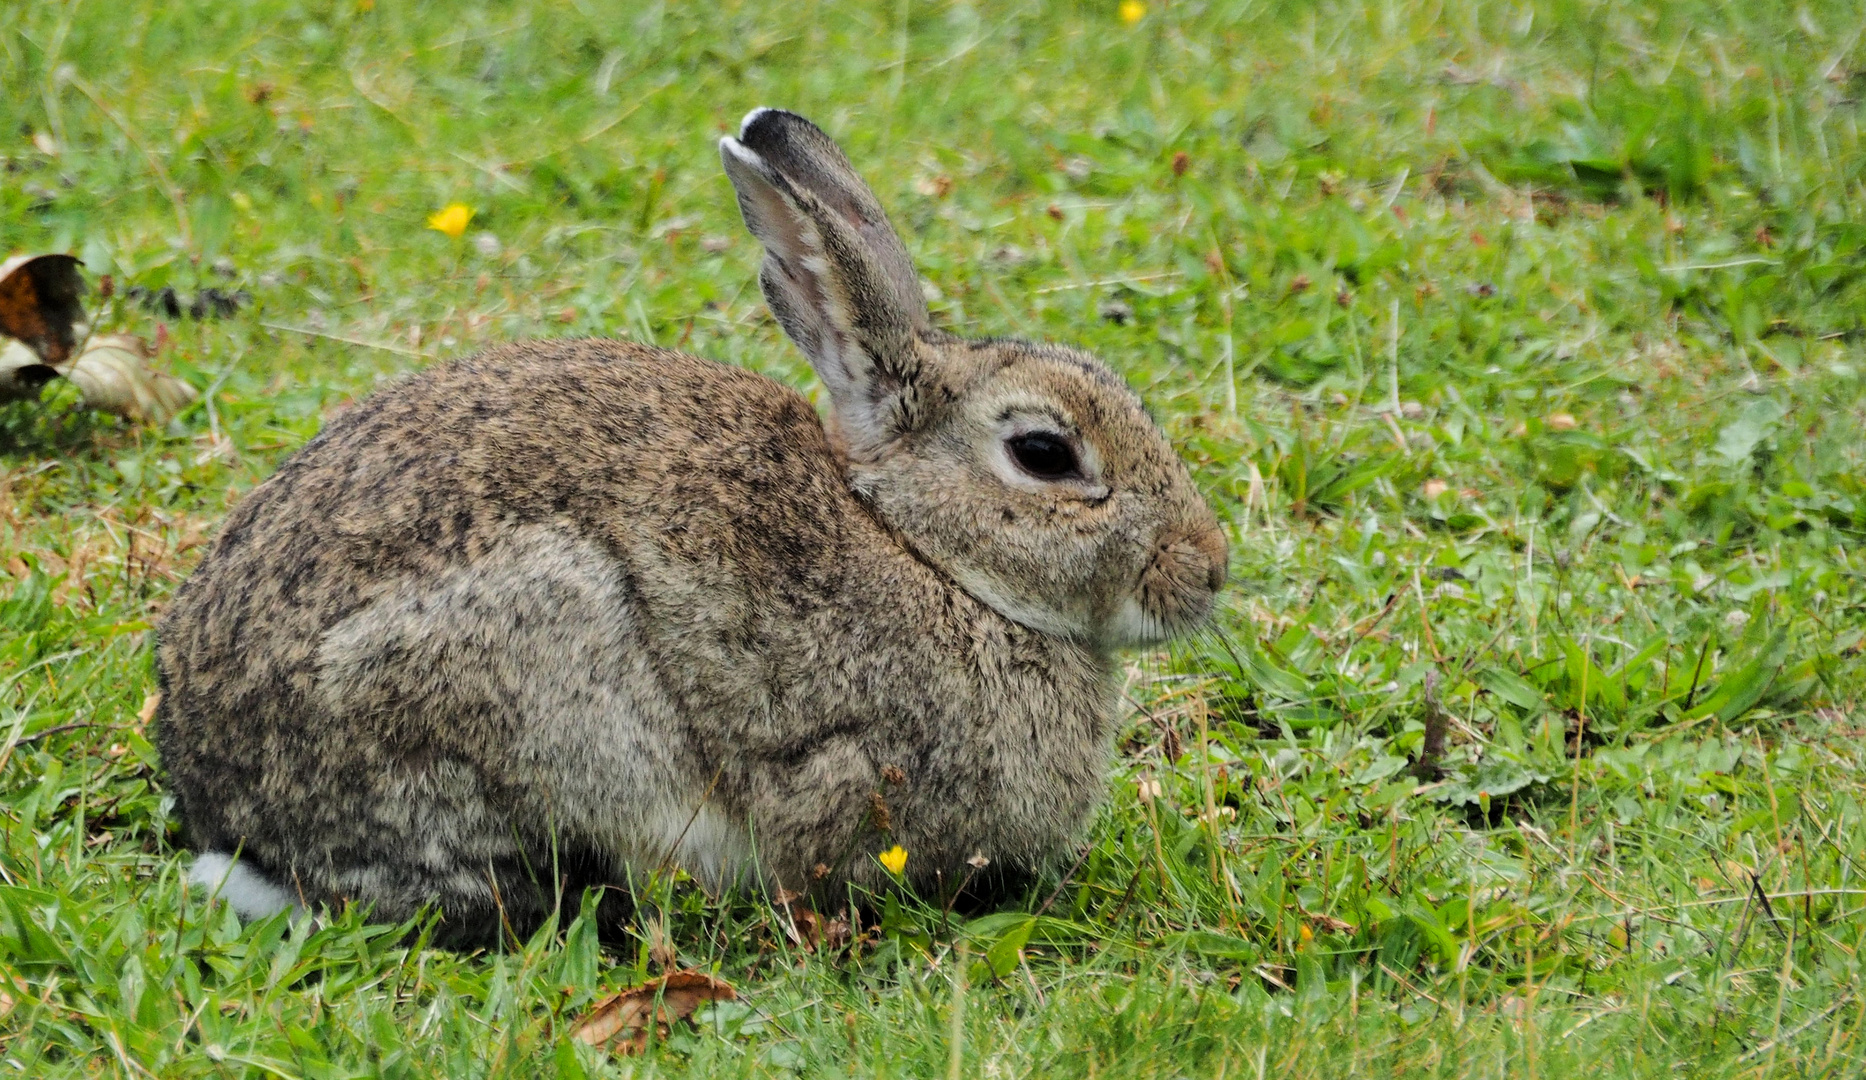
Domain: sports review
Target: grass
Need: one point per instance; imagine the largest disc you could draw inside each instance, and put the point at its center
(1517, 343)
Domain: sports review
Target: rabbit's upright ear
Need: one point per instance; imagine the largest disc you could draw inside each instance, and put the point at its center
(835, 273)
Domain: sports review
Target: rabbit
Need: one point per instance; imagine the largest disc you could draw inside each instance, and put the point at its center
(567, 612)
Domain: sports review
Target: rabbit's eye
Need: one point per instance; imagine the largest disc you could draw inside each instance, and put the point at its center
(1042, 455)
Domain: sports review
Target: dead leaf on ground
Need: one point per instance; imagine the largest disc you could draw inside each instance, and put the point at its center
(114, 375)
(43, 336)
(805, 927)
(1330, 923)
(621, 1021)
(802, 925)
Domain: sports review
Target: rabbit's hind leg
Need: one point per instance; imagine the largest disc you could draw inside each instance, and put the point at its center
(505, 901)
(468, 918)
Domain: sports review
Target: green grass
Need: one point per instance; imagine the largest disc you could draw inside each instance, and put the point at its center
(1518, 344)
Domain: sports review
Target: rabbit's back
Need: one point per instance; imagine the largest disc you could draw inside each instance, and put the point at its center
(606, 440)
(440, 599)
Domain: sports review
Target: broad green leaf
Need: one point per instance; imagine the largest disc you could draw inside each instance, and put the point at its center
(1737, 440)
(1002, 957)
(1739, 691)
(1511, 687)
(1217, 946)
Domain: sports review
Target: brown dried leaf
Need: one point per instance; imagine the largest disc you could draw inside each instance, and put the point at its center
(806, 927)
(114, 375)
(621, 1020)
(40, 305)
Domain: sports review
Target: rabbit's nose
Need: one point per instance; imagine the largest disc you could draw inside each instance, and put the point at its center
(1211, 544)
(1186, 570)
(1192, 557)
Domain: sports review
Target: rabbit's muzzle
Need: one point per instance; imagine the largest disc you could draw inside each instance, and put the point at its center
(1182, 577)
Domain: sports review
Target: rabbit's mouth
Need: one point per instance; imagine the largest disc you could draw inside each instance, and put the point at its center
(1176, 589)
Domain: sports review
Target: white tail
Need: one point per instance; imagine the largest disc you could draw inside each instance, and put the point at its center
(252, 894)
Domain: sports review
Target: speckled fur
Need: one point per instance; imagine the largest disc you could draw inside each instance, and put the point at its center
(571, 610)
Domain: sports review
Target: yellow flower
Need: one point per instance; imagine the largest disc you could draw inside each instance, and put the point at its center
(451, 219)
(1132, 11)
(895, 859)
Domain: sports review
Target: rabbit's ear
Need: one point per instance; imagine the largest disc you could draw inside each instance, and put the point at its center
(835, 273)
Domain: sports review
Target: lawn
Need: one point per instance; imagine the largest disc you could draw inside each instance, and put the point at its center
(1518, 345)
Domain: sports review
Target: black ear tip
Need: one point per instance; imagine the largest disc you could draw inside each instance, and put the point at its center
(763, 127)
(752, 118)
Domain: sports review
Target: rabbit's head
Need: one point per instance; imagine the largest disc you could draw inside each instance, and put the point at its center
(1029, 473)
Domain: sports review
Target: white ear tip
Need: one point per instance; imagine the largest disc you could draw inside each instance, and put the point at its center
(730, 147)
(749, 117)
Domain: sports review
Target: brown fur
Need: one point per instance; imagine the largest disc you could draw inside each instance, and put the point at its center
(571, 610)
